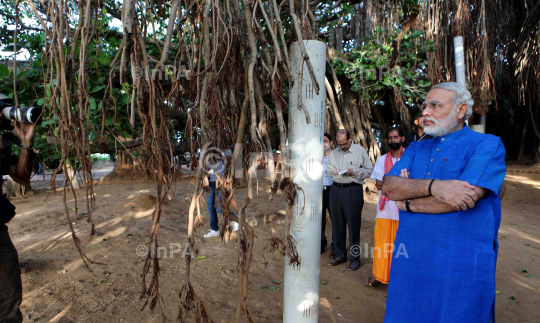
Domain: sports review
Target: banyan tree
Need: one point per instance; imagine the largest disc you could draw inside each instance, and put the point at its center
(171, 76)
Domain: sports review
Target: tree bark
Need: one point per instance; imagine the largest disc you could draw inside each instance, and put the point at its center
(72, 176)
(14, 189)
(523, 136)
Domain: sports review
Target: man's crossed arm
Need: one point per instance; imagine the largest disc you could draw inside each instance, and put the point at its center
(447, 195)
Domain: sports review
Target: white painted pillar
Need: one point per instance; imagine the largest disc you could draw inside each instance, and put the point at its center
(459, 55)
(301, 299)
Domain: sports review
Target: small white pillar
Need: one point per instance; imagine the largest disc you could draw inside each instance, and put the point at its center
(459, 55)
(301, 286)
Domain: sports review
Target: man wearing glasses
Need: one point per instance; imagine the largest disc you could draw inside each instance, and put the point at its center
(349, 165)
(450, 213)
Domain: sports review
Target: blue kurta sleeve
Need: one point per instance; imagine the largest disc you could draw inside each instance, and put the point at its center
(486, 167)
(405, 161)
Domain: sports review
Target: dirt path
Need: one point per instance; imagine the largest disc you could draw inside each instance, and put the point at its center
(58, 288)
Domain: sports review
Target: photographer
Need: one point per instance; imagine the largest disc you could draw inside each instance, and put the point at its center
(19, 169)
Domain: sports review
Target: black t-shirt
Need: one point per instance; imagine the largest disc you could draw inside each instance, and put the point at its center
(414, 137)
(7, 210)
(7, 159)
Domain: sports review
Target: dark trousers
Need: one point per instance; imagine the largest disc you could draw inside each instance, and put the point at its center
(210, 204)
(10, 280)
(346, 211)
(325, 206)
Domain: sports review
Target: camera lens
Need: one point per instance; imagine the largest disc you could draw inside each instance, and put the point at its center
(25, 115)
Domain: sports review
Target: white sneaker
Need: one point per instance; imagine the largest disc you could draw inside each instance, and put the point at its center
(234, 226)
(212, 233)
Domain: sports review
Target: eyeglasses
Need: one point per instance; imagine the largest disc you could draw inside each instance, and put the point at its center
(433, 105)
(343, 145)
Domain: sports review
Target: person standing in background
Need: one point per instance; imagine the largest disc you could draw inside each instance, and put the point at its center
(387, 221)
(327, 185)
(350, 165)
(418, 134)
(211, 200)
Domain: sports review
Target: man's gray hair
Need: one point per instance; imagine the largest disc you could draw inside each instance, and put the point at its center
(461, 95)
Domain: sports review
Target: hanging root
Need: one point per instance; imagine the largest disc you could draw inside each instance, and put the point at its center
(191, 303)
(274, 243)
(294, 258)
(291, 190)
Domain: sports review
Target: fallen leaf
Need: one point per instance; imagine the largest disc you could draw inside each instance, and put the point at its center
(497, 292)
(194, 266)
(531, 276)
(101, 281)
(523, 270)
(512, 298)
(324, 282)
(271, 287)
(276, 282)
(201, 257)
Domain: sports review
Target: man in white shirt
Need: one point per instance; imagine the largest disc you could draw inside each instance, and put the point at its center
(327, 186)
(349, 165)
(386, 223)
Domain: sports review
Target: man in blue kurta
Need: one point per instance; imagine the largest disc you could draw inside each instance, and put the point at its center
(446, 246)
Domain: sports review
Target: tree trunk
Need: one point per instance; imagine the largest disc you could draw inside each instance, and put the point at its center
(523, 136)
(14, 189)
(125, 161)
(72, 173)
(137, 163)
(237, 159)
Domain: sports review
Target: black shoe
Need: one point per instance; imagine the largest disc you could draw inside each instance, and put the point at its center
(337, 261)
(332, 255)
(355, 265)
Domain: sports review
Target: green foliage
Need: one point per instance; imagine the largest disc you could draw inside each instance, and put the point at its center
(367, 67)
(33, 74)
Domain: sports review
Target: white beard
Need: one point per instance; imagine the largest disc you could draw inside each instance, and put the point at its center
(441, 128)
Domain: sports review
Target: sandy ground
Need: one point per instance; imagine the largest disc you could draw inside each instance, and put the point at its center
(58, 287)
